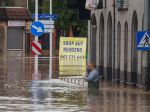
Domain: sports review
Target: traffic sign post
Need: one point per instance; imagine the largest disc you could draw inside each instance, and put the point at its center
(36, 38)
(50, 46)
(44, 26)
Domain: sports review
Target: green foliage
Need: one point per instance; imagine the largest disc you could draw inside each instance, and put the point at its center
(7, 3)
(31, 6)
(66, 17)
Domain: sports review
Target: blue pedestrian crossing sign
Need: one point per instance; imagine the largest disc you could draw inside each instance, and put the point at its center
(143, 40)
(37, 28)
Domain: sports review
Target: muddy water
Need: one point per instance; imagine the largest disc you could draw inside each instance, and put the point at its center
(23, 91)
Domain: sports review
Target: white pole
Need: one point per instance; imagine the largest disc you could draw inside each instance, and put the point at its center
(36, 39)
(27, 4)
(50, 47)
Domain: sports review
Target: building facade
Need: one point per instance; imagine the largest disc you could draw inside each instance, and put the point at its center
(112, 42)
(14, 3)
(14, 25)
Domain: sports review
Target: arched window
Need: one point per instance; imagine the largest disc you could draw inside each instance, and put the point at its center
(133, 49)
(101, 43)
(125, 51)
(109, 47)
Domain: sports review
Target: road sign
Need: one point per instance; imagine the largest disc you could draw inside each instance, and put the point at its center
(143, 40)
(36, 48)
(37, 28)
(46, 21)
(49, 30)
(51, 16)
(46, 16)
(48, 25)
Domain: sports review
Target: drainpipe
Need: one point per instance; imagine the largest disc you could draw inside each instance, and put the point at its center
(145, 56)
(89, 33)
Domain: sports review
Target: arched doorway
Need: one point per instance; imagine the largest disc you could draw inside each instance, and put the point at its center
(118, 51)
(93, 40)
(133, 49)
(101, 44)
(109, 47)
(125, 51)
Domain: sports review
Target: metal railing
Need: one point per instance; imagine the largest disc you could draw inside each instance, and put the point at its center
(78, 81)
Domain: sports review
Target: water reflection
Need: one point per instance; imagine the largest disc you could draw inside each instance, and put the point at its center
(23, 91)
(57, 95)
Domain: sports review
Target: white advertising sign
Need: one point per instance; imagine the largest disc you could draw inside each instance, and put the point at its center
(16, 23)
(91, 4)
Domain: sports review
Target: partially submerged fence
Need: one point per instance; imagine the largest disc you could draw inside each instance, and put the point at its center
(74, 80)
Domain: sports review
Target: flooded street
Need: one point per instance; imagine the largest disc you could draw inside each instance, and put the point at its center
(23, 91)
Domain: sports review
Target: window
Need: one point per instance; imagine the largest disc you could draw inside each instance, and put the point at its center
(122, 4)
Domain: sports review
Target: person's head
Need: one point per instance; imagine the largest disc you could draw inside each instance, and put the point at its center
(92, 66)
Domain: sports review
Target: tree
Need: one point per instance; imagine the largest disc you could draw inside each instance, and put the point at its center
(6, 3)
(67, 18)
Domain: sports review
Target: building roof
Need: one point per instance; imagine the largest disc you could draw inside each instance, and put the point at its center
(14, 13)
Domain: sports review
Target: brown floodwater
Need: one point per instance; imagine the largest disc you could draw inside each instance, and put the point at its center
(23, 91)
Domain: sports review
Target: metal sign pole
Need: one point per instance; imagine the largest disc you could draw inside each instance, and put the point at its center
(27, 4)
(36, 38)
(50, 47)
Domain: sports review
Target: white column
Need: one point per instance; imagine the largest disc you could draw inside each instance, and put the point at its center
(145, 56)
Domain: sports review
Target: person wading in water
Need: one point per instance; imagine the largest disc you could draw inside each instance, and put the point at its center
(93, 77)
